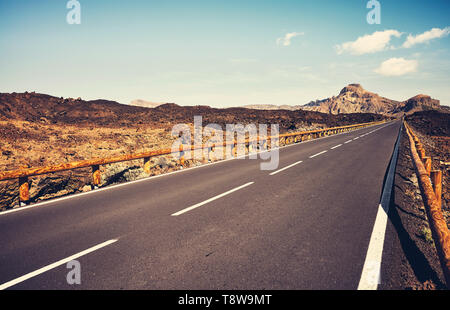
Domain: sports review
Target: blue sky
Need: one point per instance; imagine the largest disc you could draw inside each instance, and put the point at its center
(224, 53)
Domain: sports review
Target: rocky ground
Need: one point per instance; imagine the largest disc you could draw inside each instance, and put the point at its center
(433, 130)
(417, 266)
(29, 144)
(39, 130)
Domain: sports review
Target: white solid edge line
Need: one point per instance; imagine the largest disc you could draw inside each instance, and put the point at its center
(371, 273)
(43, 203)
(211, 199)
(335, 147)
(370, 276)
(318, 154)
(54, 265)
(287, 167)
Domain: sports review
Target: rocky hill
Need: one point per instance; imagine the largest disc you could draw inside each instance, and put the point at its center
(355, 99)
(420, 103)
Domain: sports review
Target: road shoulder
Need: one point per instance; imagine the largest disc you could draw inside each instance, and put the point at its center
(409, 257)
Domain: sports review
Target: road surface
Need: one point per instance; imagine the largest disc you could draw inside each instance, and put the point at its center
(226, 225)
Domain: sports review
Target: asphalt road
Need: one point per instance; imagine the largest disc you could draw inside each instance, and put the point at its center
(306, 227)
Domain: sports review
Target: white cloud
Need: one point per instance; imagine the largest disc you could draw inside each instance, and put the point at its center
(426, 36)
(286, 40)
(370, 43)
(397, 67)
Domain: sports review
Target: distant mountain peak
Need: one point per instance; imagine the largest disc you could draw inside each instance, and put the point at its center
(357, 88)
(353, 98)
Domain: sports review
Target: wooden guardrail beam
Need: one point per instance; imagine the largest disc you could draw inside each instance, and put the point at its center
(24, 174)
(27, 172)
(10, 175)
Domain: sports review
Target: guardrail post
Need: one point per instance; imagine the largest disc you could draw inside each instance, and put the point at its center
(419, 151)
(210, 149)
(436, 179)
(147, 165)
(427, 164)
(96, 176)
(24, 191)
(418, 147)
(262, 146)
(418, 144)
(422, 153)
(181, 155)
(277, 142)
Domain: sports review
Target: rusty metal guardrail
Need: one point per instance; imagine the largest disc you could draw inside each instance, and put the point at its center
(430, 183)
(288, 138)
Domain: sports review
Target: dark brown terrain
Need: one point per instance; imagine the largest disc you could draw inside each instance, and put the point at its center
(417, 265)
(433, 130)
(39, 130)
(40, 108)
